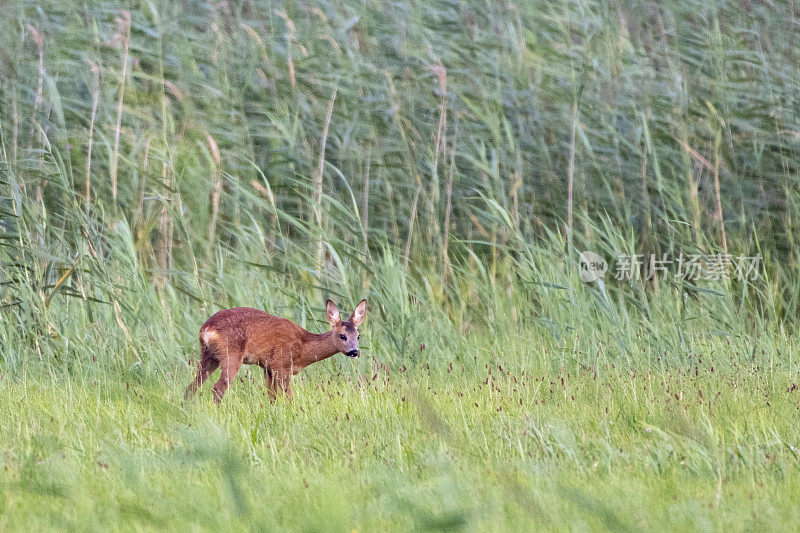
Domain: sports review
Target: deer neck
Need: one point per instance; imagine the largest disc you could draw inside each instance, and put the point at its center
(318, 347)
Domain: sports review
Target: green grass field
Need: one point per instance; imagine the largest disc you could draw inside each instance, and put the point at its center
(449, 161)
(463, 443)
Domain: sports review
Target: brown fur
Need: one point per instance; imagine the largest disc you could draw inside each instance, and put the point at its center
(242, 335)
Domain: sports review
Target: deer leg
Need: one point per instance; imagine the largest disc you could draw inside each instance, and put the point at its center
(281, 381)
(208, 364)
(230, 366)
(269, 380)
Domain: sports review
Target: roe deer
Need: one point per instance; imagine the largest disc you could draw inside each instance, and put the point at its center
(243, 335)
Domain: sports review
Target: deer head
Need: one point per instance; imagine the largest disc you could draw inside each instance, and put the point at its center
(346, 333)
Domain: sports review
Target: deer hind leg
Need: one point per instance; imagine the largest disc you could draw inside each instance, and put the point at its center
(230, 365)
(208, 364)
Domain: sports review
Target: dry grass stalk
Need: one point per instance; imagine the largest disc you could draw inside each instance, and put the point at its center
(365, 202)
(37, 103)
(718, 198)
(645, 192)
(693, 167)
(95, 97)
(217, 190)
(138, 217)
(267, 192)
(439, 142)
(165, 225)
(124, 36)
(15, 126)
(516, 185)
(290, 37)
(715, 173)
(411, 219)
(571, 167)
(449, 202)
(317, 177)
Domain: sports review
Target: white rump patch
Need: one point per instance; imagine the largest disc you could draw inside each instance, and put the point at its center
(210, 335)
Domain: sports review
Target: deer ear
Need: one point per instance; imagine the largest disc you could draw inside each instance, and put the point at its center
(359, 314)
(332, 314)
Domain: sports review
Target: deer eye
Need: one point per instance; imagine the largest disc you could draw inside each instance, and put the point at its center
(358, 338)
(343, 337)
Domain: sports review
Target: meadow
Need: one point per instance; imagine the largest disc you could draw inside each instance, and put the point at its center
(448, 161)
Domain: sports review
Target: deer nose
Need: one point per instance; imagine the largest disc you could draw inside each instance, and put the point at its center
(352, 353)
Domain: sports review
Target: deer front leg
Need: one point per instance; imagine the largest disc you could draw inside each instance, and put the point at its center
(280, 381)
(269, 381)
(230, 366)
